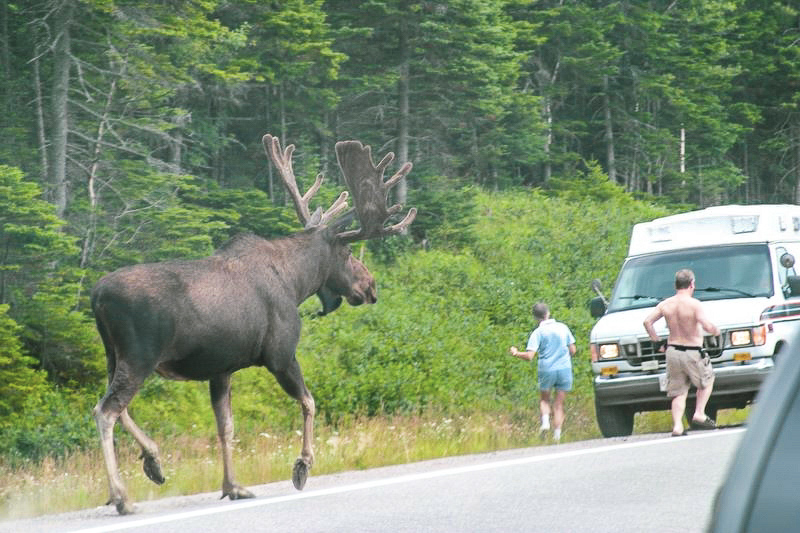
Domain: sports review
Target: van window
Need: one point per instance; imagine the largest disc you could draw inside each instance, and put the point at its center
(721, 272)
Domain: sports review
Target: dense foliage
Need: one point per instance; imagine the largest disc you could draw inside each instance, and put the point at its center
(131, 132)
(696, 101)
(437, 339)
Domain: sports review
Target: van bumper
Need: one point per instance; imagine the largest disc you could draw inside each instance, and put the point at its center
(735, 385)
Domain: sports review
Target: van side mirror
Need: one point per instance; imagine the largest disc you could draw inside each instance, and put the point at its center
(597, 307)
(793, 284)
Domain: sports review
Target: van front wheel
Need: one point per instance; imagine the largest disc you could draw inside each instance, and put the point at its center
(614, 421)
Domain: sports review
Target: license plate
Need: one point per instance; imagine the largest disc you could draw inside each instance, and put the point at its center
(662, 382)
(609, 371)
(742, 356)
(649, 365)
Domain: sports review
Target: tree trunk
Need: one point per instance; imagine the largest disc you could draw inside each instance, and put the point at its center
(401, 190)
(746, 171)
(610, 158)
(176, 143)
(5, 54)
(548, 140)
(267, 117)
(284, 133)
(91, 189)
(683, 150)
(700, 199)
(546, 79)
(795, 140)
(40, 131)
(59, 102)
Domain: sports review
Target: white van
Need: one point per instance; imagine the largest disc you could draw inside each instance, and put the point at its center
(743, 258)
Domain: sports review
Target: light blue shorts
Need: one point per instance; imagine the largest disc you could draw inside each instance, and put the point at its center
(556, 379)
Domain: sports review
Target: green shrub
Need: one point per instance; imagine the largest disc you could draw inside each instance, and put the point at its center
(439, 335)
(436, 341)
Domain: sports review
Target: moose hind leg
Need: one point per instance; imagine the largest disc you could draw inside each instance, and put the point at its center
(106, 413)
(151, 464)
(220, 389)
(292, 382)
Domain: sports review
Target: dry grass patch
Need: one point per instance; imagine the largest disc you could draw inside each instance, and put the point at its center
(192, 464)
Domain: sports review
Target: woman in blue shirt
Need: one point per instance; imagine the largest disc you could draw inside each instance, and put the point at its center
(555, 344)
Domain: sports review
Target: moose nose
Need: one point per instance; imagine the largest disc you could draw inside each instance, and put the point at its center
(365, 294)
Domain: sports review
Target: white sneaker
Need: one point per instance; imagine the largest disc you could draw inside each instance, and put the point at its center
(556, 435)
(543, 432)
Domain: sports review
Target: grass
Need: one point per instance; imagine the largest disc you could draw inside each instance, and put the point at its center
(193, 465)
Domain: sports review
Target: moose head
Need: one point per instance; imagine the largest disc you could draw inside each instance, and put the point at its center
(349, 278)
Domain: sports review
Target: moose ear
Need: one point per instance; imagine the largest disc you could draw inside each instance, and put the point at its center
(315, 219)
(343, 222)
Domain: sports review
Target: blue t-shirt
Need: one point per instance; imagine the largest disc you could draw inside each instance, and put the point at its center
(551, 339)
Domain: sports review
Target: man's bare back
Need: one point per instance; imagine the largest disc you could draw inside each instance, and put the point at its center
(685, 318)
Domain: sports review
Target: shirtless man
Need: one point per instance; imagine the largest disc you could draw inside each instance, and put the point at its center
(685, 359)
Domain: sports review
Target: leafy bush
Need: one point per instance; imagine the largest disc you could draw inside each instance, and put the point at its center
(64, 339)
(436, 341)
(19, 381)
(446, 212)
(51, 423)
(439, 335)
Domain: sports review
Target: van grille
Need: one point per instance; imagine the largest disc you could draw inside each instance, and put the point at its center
(644, 350)
(641, 351)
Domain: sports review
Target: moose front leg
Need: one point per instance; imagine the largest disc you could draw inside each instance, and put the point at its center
(306, 459)
(292, 382)
(220, 389)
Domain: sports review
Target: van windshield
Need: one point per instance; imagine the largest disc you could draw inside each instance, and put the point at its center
(741, 271)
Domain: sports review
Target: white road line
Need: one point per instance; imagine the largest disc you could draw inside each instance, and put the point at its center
(407, 478)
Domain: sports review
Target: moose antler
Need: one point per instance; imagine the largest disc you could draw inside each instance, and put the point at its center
(282, 159)
(370, 193)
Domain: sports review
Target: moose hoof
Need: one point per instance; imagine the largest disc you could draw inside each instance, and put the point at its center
(152, 469)
(124, 507)
(300, 474)
(238, 493)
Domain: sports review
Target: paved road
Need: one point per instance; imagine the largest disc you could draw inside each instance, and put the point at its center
(638, 484)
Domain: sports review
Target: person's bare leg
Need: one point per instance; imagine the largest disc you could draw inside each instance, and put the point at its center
(558, 413)
(558, 409)
(544, 409)
(702, 400)
(678, 406)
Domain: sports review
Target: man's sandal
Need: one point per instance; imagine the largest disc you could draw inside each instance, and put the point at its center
(707, 423)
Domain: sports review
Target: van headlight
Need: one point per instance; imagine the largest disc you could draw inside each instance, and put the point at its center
(740, 337)
(744, 337)
(609, 351)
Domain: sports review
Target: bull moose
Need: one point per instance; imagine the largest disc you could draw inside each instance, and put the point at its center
(205, 319)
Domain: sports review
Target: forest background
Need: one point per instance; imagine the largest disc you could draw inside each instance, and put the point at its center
(540, 132)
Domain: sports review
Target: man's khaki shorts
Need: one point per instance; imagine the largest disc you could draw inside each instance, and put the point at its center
(685, 367)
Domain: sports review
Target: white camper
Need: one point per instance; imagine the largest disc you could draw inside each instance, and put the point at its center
(743, 258)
